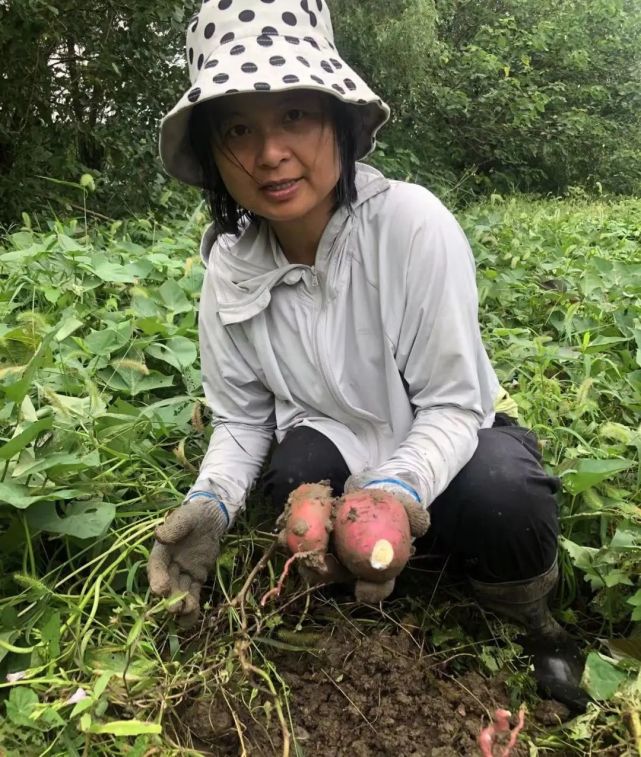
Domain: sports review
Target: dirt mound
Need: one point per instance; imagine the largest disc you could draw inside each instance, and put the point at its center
(362, 696)
(380, 695)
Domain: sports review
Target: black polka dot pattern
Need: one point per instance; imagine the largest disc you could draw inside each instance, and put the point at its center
(249, 71)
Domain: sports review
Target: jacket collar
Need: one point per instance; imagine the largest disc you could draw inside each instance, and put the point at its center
(243, 270)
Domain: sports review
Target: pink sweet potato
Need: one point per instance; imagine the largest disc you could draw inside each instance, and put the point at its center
(308, 521)
(372, 535)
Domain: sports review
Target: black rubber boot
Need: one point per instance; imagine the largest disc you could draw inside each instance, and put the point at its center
(558, 662)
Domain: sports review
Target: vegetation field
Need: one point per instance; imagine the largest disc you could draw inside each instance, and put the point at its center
(102, 426)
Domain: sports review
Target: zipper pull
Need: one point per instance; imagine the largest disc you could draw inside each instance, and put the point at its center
(314, 276)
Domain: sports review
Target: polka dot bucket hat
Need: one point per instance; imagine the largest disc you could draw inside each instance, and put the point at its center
(238, 46)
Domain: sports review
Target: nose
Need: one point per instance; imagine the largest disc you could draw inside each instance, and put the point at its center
(273, 148)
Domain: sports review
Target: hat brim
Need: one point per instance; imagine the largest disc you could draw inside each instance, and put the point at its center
(268, 64)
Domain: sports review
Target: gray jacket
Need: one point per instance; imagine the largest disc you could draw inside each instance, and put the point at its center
(377, 345)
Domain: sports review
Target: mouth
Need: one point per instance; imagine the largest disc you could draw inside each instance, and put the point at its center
(279, 186)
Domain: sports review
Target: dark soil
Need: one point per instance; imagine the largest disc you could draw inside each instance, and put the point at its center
(365, 696)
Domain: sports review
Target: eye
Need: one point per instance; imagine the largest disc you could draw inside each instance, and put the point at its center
(295, 114)
(236, 131)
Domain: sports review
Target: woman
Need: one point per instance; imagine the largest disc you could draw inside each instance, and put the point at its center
(339, 313)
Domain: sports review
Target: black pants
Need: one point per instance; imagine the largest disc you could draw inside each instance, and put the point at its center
(497, 519)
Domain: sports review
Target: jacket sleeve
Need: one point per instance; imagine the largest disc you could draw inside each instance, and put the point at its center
(242, 407)
(440, 354)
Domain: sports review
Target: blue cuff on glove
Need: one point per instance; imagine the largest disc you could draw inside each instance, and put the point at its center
(394, 482)
(209, 495)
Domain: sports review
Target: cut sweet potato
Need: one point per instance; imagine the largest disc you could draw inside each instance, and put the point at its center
(372, 535)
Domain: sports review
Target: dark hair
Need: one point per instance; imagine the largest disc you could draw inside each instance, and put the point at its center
(227, 215)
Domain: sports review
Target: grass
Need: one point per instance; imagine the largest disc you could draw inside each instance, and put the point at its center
(102, 426)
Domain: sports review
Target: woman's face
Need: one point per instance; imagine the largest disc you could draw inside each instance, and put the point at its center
(276, 153)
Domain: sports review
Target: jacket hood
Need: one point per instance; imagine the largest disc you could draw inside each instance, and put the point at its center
(243, 270)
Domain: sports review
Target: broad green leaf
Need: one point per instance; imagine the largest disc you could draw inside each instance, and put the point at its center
(67, 328)
(20, 496)
(109, 340)
(174, 297)
(133, 382)
(84, 520)
(589, 472)
(582, 557)
(601, 678)
(19, 389)
(16, 495)
(110, 271)
(63, 462)
(19, 442)
(20, 704)
(178, 351)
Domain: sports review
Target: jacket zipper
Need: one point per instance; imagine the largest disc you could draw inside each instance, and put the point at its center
(331, 385)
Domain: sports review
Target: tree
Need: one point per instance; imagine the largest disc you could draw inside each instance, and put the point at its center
(82, 89)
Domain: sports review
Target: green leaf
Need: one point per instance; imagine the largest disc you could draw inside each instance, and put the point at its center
(18, 390)
(174, 298)
(178, 351)
(20, 704)
(84, 520)
(590, 472)
(21, 496)
(19, 442)
(62, 462)
(16, 495)
(126, 728)
(109, 340)
(601, 678)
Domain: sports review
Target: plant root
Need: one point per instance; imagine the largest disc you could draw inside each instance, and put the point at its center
(275, 592)
(501, 724)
